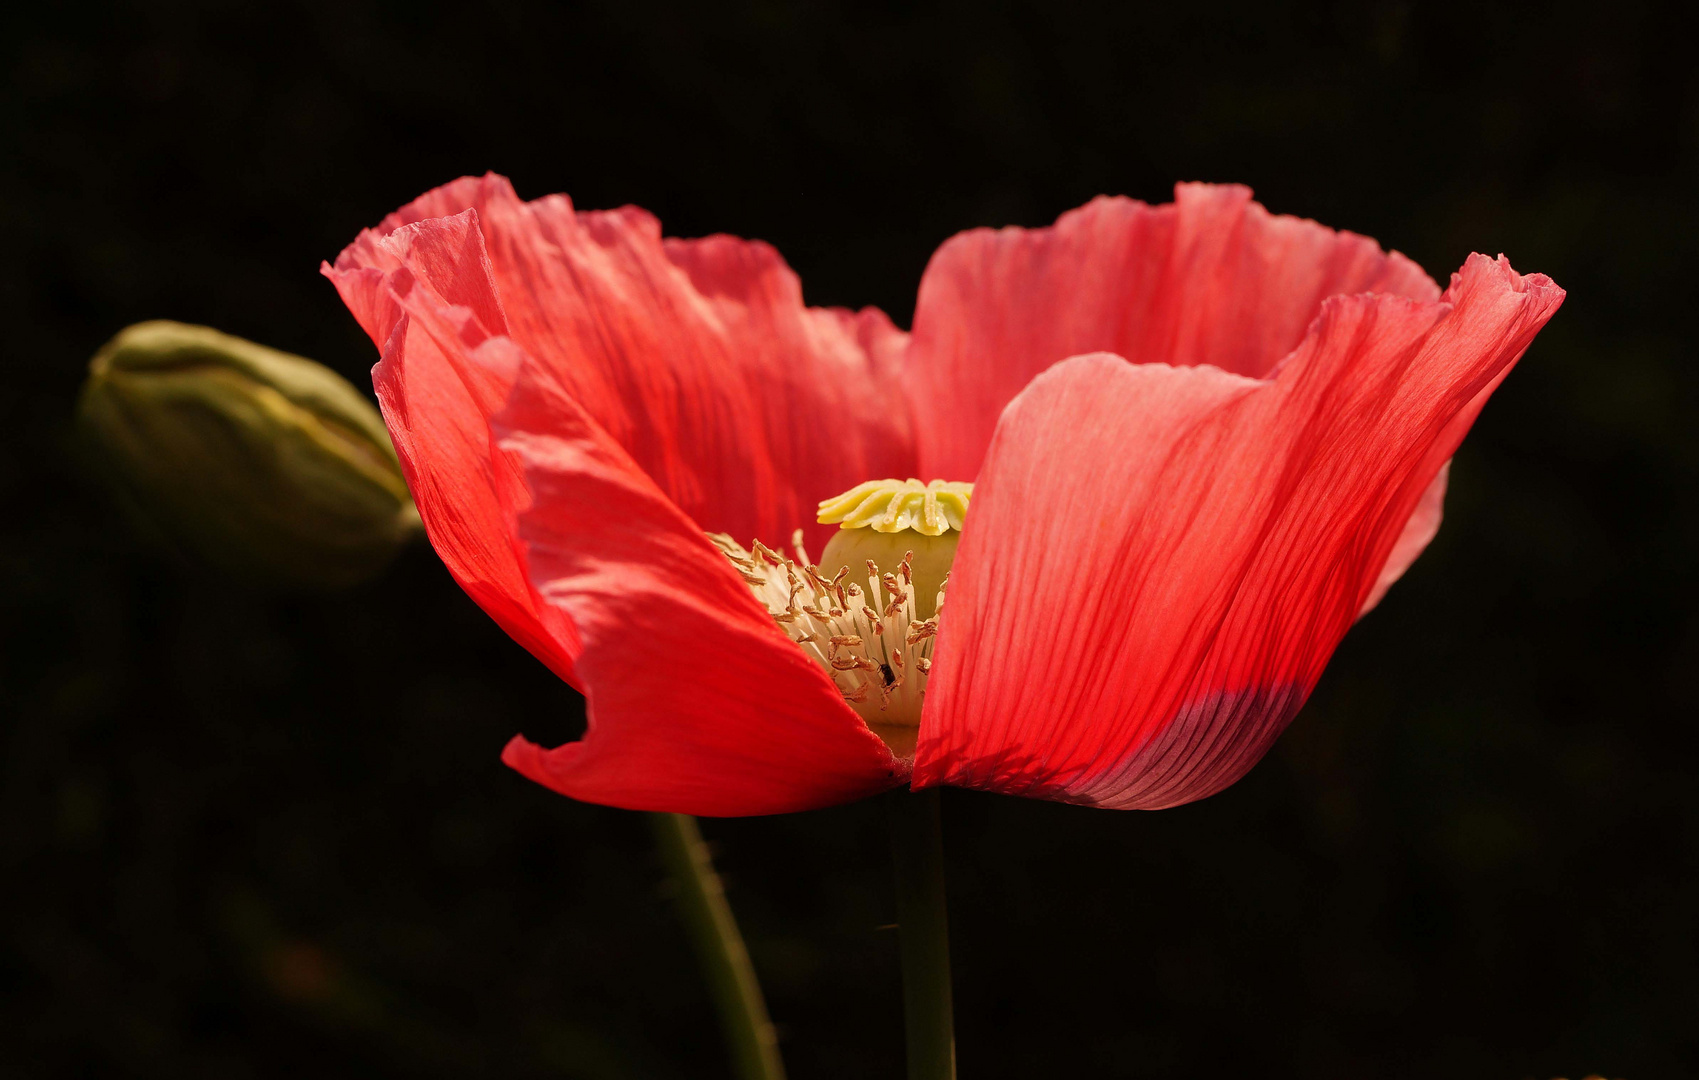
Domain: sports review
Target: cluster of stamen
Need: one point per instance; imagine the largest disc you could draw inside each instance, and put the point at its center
(862, 631)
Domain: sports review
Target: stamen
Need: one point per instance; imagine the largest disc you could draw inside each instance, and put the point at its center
(875, 629)
(863, 633)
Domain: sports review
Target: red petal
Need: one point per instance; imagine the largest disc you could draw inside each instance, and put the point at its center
(1418, 533)
(436, 401)
(699, 357)
(1212, 278)
(698, 703)
(1160, 561)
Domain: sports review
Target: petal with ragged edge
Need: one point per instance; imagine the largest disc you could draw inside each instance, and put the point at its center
(1160, 561)
(1211, 278)
(699, 357)
(697, 702)
(436, 403)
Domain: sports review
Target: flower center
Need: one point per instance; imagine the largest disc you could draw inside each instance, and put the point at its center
(868, 612)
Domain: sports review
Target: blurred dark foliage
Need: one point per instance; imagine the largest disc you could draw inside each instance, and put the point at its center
(252, 837)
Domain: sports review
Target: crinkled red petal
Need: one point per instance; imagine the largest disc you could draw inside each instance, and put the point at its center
(1211, 278)
(436, 404)
(1161, 560)
(698, 356)
(697, 701)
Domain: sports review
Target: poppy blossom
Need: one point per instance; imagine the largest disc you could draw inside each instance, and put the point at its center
(1202, 441)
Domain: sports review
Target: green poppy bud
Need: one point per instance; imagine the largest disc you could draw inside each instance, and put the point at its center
(267, 465)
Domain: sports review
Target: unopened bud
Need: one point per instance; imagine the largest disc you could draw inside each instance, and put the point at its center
(263, 463)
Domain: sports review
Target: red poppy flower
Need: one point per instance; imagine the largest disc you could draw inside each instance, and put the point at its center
(1205, 439)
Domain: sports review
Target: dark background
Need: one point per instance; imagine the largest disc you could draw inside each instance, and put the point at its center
(255, 837)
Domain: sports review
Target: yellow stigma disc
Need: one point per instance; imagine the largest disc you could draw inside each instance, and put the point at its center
(890, 506)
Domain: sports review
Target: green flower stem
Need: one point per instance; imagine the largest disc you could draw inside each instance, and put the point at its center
(725, 961)
(917, 848)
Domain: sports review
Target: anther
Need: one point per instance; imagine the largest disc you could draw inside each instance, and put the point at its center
(867, 612)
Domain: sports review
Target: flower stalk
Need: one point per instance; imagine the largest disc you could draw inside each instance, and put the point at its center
(917, 849)
(725, 962)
